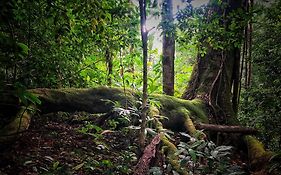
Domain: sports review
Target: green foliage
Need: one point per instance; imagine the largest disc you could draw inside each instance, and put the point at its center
(155, 78)
(155, 171)
(64, 43)
(200, 28)
(261, 104)
(128, 69)
(201, 157)
(25, 97)
(275, 165)
(107, 167)
(184, 63)
(121, 117)
(92, 130)
(206, 26)
(204, 157)
(57, 43)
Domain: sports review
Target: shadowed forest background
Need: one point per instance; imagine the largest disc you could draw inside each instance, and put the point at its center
(87, 88)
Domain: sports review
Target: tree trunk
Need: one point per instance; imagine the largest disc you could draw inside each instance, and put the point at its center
(168, 56)
(109, 62)
(142, 6)
(215, 77)
(215, 80)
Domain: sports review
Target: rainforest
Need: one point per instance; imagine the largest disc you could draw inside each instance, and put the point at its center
(135, 87)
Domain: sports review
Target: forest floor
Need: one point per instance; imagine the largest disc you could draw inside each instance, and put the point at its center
(75, 144)
(63, 143)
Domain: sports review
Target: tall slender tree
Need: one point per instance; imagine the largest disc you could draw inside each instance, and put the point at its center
(109, 63)
(168, 56)
(142, 6)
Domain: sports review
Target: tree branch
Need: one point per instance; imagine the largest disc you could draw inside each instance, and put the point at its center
(226, 129)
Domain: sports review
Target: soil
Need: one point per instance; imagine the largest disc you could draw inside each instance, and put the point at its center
(62, 143)
(78, 144)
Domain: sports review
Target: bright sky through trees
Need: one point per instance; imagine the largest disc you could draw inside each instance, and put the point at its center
(153, 22)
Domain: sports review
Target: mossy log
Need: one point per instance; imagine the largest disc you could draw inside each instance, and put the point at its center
(92, 100)
(103, 99)
(169, 147)
(180, 113)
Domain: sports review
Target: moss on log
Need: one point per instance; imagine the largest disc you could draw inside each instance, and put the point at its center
(103, 99)
(258, 156)
(169, 148)
(180, 113)
(176, 110)
(20, 124)
(170, 104)
(92, 100)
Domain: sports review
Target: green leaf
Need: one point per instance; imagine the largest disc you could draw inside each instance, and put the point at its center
(79, 166)
(193, 155)
(32, 98)
(56, 165)
(197, 143)
(24, 48)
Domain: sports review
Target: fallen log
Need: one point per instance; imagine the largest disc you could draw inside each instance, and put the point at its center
(104, 99)
(226, 128)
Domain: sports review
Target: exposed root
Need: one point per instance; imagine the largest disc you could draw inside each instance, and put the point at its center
(20, 124)
(172, 158)
(226, 128)
(258, 156)
(149, 152)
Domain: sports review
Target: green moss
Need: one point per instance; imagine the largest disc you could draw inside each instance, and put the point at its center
(172, 157)
(103, 99)
(258, 156)
(177, 109)
(18, 125)
(255, 147)
(93, 100)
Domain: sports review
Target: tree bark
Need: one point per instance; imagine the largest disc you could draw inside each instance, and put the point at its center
(109, 61)
(225, 128)
(214, 79)
(236, 81)
(168, 56)
(142, 6)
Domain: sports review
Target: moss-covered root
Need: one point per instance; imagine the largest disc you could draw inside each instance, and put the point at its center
(189, 125)
(258, 156)
(21, 123)
(171, 149)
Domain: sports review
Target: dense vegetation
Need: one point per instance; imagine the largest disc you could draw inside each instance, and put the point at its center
(87, 44)
(260, 103)
(66, 44)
